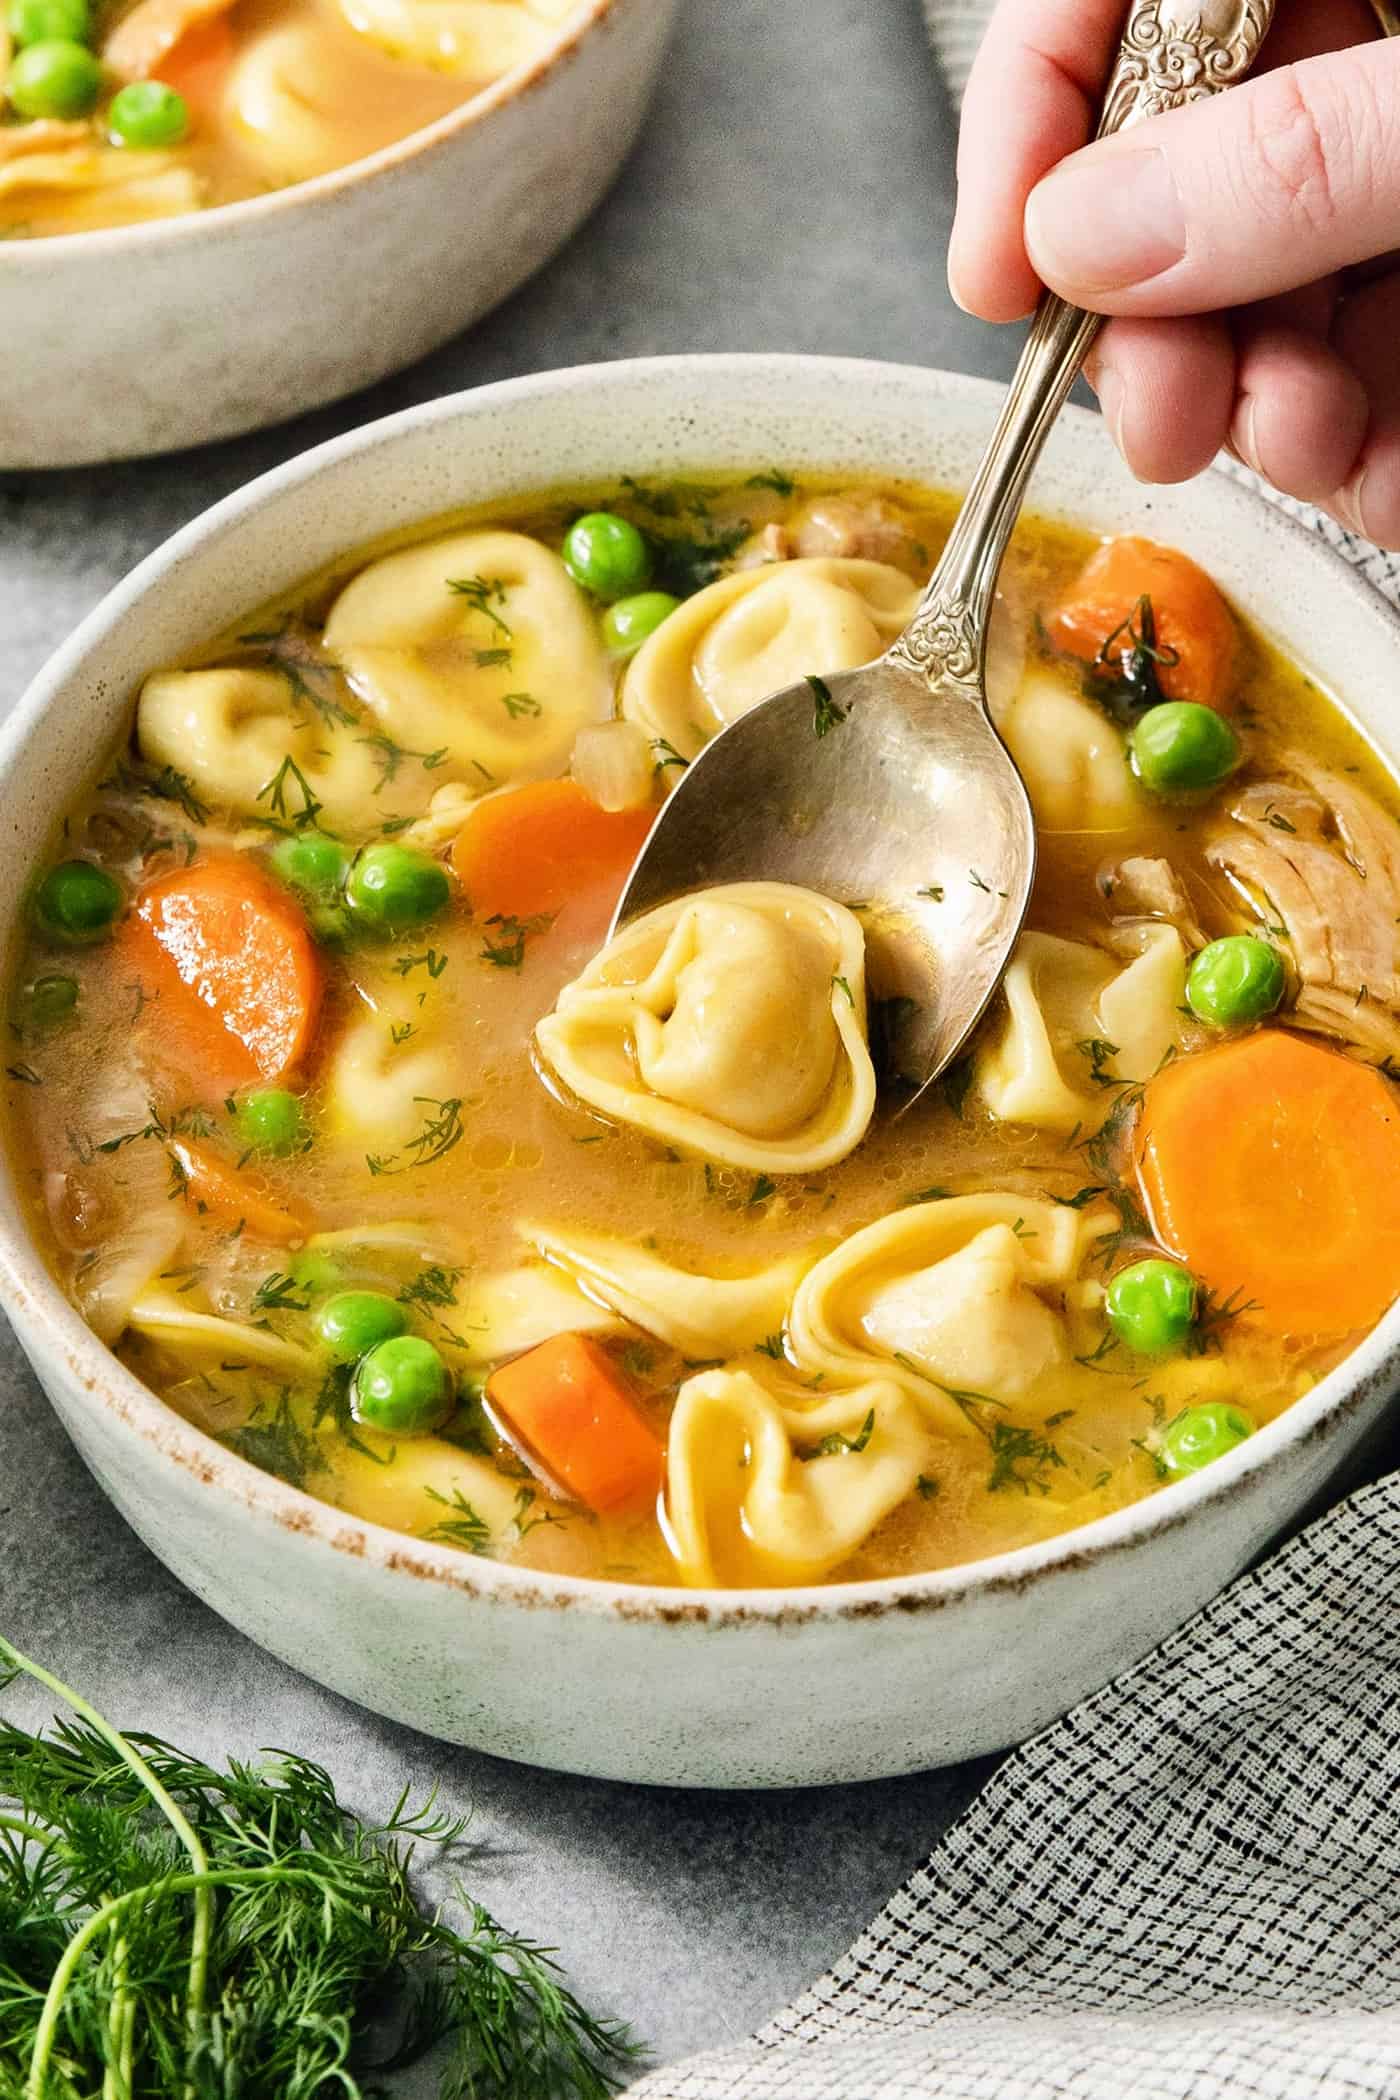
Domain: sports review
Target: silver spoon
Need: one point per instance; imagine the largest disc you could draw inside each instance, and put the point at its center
(888, 786)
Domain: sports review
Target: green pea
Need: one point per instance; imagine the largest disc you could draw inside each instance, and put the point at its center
(58, 78)
(402, 1386)
(147, 113)
(627, 624)
(1203, 1434)
(390, 888)
(1182, 748)
(606, 555)
(354, 1322)
(312, 1269)
(51, 999)
(1235, 980)
(315, 865)
(48, 21)
(1152, 1306)
(271, 1121)
(76, 902)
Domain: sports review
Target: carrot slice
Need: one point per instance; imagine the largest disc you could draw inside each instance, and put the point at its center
(535, 849)
(215, 1183)
(240, 945)
(1191, 621)
(1272, 1167)
(198, 64)
(568, 1404)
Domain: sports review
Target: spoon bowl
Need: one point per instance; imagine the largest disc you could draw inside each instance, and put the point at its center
(896, 797)
(887, 787)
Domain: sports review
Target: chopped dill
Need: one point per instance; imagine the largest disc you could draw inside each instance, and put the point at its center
(667, 754)
(167, 785)
(288, 780)
(1081, 1197)
(775, 479)
(1094, 1359)
(934, 1193)
(933, 891)
(483, 594)
(522, 1523)
(518, 704)
(763, 1187)
(835, 1442)
(438, 1136)
(927, 1487)
(435, 1285)
(275, 1440)
(1124, 675)
(278, 1293)
(507, 950)
(430, 961)
(465, 1526)
(1100, 1053)
(774, 1345)
(826, 715)
(400, 1031)
(390, 757)
(841, 984)
(1214, 1313)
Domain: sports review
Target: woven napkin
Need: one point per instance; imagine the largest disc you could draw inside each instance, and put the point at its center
(1189, 1888)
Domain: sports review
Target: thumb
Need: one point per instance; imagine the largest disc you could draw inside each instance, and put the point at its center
(1231, 199)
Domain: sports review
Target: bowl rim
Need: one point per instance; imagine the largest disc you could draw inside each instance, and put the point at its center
(36, 1301)
(109, 242)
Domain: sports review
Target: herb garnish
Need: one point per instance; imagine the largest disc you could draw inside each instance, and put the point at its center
(440, 1133)
(667, 754)
(507, 951)
(763, 1187)
(288, 779)
(834, 1442)
(435, 1286)
(774, 1345)
(1100, 1053)
(390, 757)
(840, 982)
(278, 1293)
(518, 704)
(465, 1526)
(483, 594)
(177, 1930)
(826, 715)
(430, 961)
(775, 479)
(1123, 677)
(165, 786)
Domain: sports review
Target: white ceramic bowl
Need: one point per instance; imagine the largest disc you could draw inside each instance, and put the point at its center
(148, 338)
(766, 1687)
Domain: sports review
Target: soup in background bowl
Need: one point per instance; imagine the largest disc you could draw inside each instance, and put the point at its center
(554, 1276)
(335, 246)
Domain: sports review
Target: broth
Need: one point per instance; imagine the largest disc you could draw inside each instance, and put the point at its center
(441, 1158)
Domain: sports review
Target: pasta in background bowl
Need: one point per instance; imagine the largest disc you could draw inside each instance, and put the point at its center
(163, 294)
(790, 1455)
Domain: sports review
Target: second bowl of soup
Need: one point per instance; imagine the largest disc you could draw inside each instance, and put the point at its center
(543, 1307)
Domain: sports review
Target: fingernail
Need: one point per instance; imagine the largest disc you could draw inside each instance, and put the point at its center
(1109, 388)
(1247, 444)
(1100, 225)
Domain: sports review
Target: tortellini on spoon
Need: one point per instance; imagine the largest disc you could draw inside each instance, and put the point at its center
(964, 1295)
(1077, 1020)
(738, 640)
(730, 1024)
(478, 646)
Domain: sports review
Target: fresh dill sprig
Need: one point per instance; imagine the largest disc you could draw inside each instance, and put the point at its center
(826, 715)
(483, 594)
(464, 1525)
(171, 1931)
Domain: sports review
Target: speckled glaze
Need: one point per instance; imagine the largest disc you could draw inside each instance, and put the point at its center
(757, 1688)
(148, 338)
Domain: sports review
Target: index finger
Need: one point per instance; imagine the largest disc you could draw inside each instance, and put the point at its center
(1032, 98)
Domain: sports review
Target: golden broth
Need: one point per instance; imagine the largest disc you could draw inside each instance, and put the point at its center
(484, 1143)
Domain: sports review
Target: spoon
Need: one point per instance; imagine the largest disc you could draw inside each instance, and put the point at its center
(888, 786)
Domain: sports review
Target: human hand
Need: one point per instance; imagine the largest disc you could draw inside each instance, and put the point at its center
(1243, 244)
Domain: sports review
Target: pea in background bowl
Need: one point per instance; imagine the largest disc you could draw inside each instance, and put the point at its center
(684, 1687)
(148, 338)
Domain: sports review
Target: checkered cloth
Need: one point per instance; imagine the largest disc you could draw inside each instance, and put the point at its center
(1189, 1888)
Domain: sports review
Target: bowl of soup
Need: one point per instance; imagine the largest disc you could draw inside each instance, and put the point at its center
(580, 1346)
(213, 217)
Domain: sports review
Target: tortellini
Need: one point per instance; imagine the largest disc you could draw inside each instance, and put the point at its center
(478, 646)
(742, 638)
(1076, 1020)
(479, 39)
(506, 1313)
(742, 1505)
(285, 101)
(229, 732)
(378, 1091)
(96, 186)
(702, 1316)
(165, 1317)
(964, 1295)
(418, 1484)
(731, 1024)
(1071, 757)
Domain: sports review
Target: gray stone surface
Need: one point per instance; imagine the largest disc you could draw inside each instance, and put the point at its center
(792, 190)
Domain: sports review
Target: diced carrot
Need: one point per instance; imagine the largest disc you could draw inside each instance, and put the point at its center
(198, 64)
(535, 849)
(1272, 1167)
(1193, 627)
(572, 1410)
(213, 1182)
(239, 944)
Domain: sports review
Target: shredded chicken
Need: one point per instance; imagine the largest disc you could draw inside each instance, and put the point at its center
(1318, 860)
(768, 545)
(151, 31)
(44, 135)
(1146, 887)
(866, 528)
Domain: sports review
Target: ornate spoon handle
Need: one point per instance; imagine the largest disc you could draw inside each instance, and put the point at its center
(1173, 51)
